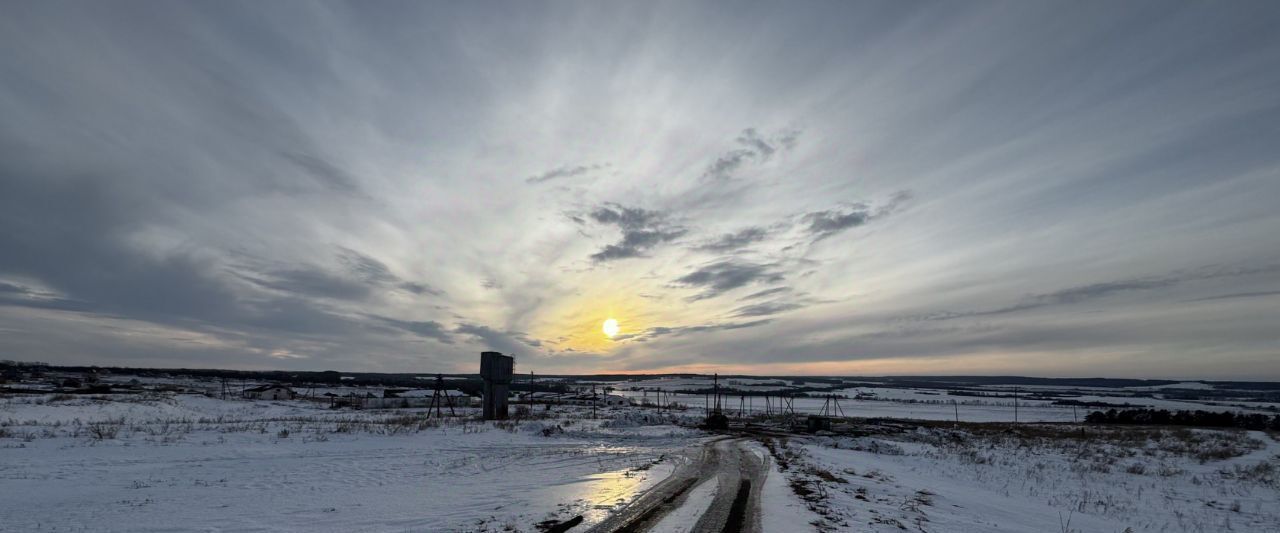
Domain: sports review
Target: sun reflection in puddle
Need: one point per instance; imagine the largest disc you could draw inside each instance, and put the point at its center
(598, 495)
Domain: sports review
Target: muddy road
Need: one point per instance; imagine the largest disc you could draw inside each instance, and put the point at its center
(729, 463)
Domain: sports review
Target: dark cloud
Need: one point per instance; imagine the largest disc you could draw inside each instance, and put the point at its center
(733, 241)
(728, 163)
(752, 140)
(765, 293)
(725, 275)
(675, 331)
(1095, 291)
(91, 260)
(312, 282)
(366, 268)
(642, 230)
(823, 224)
(510, 343)
(753, 148)
(562, 172)
(428, 328)
(376, 272)
(1237, 295)
(764, 309)
(23, 296)
(324, 171)
(360, 278)
(419, 288)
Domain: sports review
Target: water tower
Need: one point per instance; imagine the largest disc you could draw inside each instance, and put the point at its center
(496, 370)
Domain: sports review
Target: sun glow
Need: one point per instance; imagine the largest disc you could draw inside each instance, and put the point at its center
(611, 327)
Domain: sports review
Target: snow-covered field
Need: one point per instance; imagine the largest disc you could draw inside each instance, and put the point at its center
(1039, 478)
(165, 462)
(995, 404)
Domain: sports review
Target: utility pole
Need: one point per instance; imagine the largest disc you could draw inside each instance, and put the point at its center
(593, 401)
(715, 388)
(1015, 405)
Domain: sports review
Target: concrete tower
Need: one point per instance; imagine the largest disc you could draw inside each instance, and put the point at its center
(496, 370)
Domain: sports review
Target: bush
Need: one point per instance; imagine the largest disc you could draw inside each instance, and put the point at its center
(1164, 417)
(103, 430)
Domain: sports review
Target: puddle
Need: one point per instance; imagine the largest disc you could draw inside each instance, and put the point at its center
(598, 495)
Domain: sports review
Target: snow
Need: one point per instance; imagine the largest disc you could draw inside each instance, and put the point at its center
(165, 461)
(683, 518)
(198, 463)
(780, 509)
(941, 480)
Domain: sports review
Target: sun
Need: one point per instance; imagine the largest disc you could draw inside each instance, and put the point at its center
(611, 327)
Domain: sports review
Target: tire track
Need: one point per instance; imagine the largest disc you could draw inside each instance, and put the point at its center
(739, 474)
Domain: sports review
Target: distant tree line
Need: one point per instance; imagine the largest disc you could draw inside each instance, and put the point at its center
(1164, 417)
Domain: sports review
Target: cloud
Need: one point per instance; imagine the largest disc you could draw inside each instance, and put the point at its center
(1238, 295)
(426, 328)
(753, 148)
(562, 172)
(510, 343)
(1095, 291)
(733, 241)
(676, 331)
(324, 171)
(312, 282)
(823, 224)
(190, 187)
(722, 276)
(765, 293)
(764, 309)
(361, 277)
(642, 230)
(376, 272)
(22, 296)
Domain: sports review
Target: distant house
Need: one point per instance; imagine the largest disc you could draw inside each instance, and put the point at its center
(270, 392)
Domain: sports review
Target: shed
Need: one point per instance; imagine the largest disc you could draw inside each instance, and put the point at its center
(270, 392)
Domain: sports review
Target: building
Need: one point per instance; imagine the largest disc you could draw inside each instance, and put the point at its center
(270, 392)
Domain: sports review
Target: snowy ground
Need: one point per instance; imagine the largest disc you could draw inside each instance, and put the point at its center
(125, 463)
(164, 462)
(1039, 479)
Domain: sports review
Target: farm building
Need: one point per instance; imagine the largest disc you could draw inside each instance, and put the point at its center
(270, 392)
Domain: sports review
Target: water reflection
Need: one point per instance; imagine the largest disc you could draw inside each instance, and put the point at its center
(599, 495)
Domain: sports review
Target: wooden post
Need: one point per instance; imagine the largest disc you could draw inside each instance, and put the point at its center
(1015, 405)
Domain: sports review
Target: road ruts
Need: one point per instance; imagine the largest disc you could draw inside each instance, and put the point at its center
(739, 475)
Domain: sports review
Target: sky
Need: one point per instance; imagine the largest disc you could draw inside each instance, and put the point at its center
(832, 188)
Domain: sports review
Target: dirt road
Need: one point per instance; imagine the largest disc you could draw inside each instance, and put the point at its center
(739, 475)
